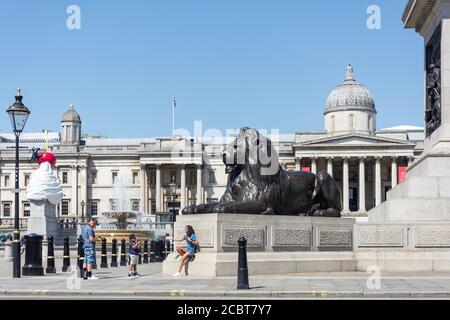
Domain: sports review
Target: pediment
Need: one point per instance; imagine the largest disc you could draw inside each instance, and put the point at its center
(354, 140)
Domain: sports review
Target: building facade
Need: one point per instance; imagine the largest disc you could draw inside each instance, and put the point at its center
(100, 174)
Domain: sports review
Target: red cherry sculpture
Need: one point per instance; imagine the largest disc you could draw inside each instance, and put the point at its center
(46, 157)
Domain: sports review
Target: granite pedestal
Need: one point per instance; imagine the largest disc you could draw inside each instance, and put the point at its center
(275, 244)
(411, 230)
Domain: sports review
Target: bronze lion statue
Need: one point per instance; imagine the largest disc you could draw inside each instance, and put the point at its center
(257, 184)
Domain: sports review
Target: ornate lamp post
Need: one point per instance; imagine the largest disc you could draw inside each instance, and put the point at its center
(83, 204)
(18, 113)
(173, 193)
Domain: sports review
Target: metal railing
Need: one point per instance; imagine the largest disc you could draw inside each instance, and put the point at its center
(69, 224)
(8, 223)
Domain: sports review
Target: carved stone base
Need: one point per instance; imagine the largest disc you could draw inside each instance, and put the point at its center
(412, 236)
(220, 232)
(275, 244)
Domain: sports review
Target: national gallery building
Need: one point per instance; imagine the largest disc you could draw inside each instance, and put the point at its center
(102, 175)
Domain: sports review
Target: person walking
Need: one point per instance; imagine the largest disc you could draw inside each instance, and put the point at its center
(88, 235)
(135, 249)
(74, 224)
(188, 253)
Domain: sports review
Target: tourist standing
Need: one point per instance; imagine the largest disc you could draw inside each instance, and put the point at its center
(135, 250)
(188, 253)
(88, 235)
(23, 242)
(74, 224)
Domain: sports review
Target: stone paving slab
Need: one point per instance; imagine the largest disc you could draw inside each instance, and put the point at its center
(113, 283)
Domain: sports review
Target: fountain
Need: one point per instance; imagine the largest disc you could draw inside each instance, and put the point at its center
(121, 222)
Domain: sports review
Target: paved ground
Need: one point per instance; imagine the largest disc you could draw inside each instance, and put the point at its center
(114, 283)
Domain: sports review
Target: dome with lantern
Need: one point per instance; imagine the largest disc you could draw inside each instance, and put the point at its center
(350, 107)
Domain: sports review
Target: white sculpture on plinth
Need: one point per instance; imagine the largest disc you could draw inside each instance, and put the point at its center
(44, 192)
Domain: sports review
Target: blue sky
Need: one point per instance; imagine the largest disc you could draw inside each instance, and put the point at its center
(261, 63)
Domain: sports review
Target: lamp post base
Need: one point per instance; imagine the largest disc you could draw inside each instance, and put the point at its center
(16, 254)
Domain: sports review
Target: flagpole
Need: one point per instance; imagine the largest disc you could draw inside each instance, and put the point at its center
(46, 141)
(174, 104)
(173, 117)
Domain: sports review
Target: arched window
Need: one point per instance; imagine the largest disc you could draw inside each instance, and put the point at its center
(332, 123)
(351, 121)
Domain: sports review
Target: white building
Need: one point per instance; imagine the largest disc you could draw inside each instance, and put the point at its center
(134, 174)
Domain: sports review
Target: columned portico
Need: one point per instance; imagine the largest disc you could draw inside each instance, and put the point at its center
(345, 183)
(363, 178)
(362, 186)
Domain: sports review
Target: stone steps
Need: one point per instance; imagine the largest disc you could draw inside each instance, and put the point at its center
(225, 264)
(407, 209)
(422, 187)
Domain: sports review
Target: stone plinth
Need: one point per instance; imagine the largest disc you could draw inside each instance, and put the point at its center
(412, 236)
(425, 195)
(275, 244)
(42, 220)
(403, 246)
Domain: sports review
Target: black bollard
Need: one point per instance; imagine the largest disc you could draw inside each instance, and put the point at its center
(114, 253)
(66, 255)
(157, 254)
(242, 265)
(50, 256)
(104, 263)
(123, 254)
(140, 256)
(152, 251)
(146, 251)
(161, 250)
(80, 256)
(168, 247)
(33, 256)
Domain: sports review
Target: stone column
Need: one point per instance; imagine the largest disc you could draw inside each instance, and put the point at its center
(330, 166)
(75, 190)
(298, 164)
(142, 180)
(362, 186)
(199, 185)
(345, 186)
(394, 178)
(377, 181)
(158, 188)
(314, 165)
(183, 187)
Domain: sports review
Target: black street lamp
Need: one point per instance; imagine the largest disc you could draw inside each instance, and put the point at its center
(82, 210)
(18, 113)
(173, 193)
